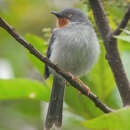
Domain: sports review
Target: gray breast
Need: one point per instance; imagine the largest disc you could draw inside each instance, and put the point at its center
(75, 49)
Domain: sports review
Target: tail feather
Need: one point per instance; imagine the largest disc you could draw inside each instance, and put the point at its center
(54, 114)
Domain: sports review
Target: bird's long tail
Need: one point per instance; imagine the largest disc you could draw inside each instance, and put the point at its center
(54, 114)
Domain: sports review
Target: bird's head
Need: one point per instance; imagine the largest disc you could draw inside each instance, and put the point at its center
(64, 17)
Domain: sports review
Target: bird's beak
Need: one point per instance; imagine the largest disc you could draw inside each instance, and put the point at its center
(56, 14)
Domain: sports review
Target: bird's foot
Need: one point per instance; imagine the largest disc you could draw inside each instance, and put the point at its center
(85, 86)
(70, 74)
(87, 89)
(54, 63)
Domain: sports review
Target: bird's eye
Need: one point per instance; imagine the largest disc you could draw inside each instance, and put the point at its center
(69, 15)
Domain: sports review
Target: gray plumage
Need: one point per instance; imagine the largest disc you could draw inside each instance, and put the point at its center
(75, 49)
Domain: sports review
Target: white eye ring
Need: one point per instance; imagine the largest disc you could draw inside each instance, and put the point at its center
(70, 15)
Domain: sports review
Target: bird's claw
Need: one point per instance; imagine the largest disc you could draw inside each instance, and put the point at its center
(70, 74)
(85, 86)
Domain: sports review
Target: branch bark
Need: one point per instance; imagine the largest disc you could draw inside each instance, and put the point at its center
(44, 59)
(112, 52)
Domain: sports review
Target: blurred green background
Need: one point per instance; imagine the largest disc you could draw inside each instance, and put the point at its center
(22, 74)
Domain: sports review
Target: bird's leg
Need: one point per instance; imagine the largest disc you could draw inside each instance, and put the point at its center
(85, 86)
(81, 83)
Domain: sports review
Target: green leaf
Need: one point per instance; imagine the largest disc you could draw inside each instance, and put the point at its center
(102, 85)
(123, 46)
(126, 62)
(124, 38)
(119, 120)
(126, 31)
(23, 88)
(81, 106)
(41, 46)
(113, 99)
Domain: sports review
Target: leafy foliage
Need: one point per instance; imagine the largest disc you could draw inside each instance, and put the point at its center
(41, 47)
(124, 38)
(23, 89)
(120, 119)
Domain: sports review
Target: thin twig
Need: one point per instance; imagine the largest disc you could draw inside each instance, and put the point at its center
(44, 59)
(112, 51)
(123, 23)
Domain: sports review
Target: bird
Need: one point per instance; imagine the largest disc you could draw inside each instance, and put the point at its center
(74, 47)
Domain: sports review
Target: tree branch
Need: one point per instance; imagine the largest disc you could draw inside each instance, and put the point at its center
(44, 59)
(123, 23)
(112, 55)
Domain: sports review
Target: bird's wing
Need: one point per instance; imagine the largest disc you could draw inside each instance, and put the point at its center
(46, 69)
